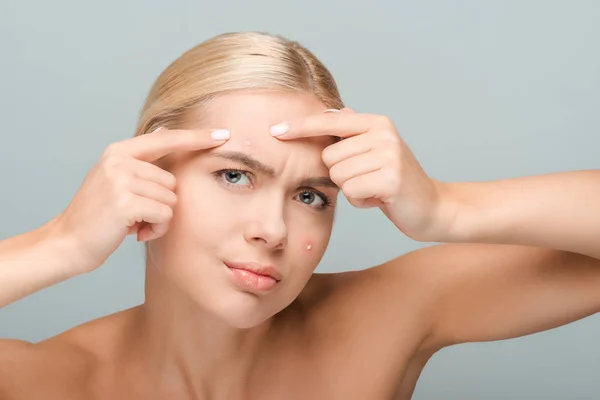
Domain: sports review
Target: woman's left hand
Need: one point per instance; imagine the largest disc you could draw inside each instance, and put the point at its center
(374, 167)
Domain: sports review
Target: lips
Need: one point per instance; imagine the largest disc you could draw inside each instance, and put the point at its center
(257, 269)
(253, 277)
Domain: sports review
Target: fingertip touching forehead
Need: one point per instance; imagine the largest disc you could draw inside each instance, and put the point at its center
(248, 115)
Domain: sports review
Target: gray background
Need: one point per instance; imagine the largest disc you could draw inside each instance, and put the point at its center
(479, 90)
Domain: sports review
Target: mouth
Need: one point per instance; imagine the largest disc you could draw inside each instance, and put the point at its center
(253, 276)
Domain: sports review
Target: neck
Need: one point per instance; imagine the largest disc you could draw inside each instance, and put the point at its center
(187, 349)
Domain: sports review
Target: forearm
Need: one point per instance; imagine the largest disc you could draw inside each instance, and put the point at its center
(558, 211)
(32, 261)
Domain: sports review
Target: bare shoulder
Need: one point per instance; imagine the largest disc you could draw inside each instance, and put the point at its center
(414, 293)
(40, 370)
(390, 294)
(61, 367)
(397, 297)
(413, 276)
(403, 278)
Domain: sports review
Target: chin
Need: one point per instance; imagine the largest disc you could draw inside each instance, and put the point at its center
(232, 304)
(242, 310)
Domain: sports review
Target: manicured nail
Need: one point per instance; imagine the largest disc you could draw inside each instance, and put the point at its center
(332, 110)
(220, 134)
(278, 130)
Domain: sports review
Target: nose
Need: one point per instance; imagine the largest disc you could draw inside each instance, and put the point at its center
(267, 227)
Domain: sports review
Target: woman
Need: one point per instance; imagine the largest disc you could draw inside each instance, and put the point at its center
(231, 183)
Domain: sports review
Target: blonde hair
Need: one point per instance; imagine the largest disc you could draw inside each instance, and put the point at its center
(232, 62)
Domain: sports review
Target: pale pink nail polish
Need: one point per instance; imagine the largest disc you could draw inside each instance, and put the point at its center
(220, 134)
(278, 130)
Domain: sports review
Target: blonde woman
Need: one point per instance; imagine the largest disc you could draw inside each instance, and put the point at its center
(231, 182)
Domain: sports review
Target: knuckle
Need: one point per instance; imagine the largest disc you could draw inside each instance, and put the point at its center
(349, 189)
(384, 121)
(392, 178)
(170, 180)
(390, 157)
(389, 144)
(336, 174)
(112, 162)
(111, 178)
(166, 213)
(122, 199)
(388, 137)
(122, 181)
(328, 156)
(112, 149)
(124, 202)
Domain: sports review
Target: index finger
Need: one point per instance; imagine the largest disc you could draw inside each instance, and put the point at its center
(339, 124)
(153, 146)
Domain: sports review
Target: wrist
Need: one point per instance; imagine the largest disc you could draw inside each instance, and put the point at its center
(62, 246)
(452, 213)
(476, 214)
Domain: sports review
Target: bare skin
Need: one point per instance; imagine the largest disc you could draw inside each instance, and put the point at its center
(511, 267)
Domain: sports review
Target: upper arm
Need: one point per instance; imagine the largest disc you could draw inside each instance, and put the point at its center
(482, 292)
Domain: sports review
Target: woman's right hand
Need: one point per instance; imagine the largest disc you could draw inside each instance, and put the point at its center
(125, 193)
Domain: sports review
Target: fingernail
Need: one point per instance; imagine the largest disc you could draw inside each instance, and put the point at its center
(220, 134)
(278, 130)
(332, 110)
(157, 129)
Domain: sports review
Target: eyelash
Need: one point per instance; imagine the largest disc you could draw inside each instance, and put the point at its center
(219, 175)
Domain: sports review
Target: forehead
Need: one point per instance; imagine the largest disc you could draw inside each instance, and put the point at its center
(257, 110)
(250, 114)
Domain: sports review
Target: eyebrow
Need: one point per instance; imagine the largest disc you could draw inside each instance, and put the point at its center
(320, 181)
(258, 166)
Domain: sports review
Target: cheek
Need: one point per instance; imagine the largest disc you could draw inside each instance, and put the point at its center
(202, 214)
(312, 246)
(313, 235)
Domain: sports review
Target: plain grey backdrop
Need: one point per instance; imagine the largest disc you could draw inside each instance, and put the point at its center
(479, 90)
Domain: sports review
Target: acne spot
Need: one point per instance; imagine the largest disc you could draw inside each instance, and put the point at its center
(308, 247)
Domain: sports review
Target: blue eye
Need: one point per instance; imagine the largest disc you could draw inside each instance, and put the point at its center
(314, 199)
(241, 179)
(234, 177)
(308, 197)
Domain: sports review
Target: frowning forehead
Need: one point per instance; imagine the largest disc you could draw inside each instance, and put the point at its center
(249, 115)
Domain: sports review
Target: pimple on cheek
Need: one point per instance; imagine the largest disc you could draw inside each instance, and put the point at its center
(307, 245)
